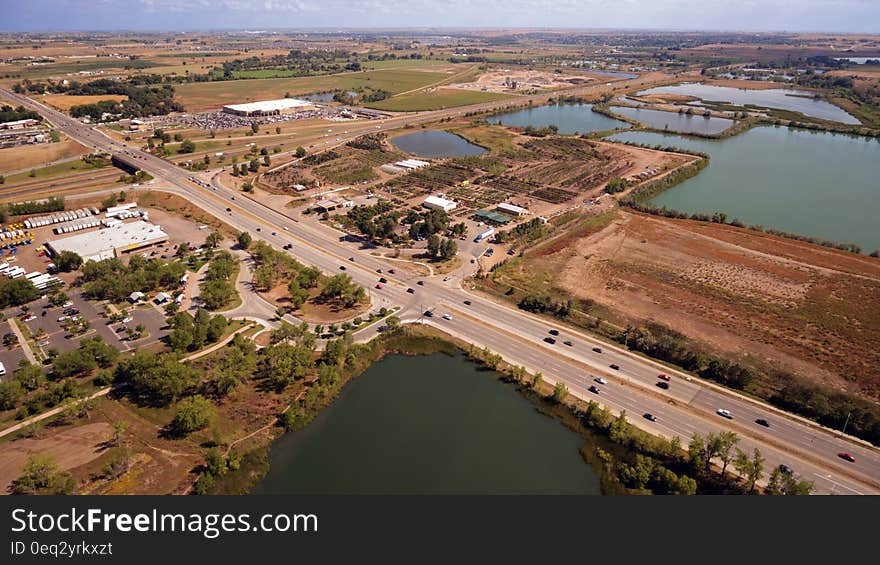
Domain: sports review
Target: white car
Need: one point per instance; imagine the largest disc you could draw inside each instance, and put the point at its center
(447, 316)
(127, 319)
(601, 381)
(725, 413)
(445, 279)
(2, 368)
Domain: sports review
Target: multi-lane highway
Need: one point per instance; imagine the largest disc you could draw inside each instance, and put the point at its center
(688, 406)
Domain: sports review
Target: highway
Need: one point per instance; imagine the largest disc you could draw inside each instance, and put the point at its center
(685, 408)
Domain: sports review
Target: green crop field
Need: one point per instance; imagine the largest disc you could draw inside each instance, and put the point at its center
(206, 95)
(400, 63)
(436, 100)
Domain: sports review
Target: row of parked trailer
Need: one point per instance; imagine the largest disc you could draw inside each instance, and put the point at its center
(59, 217)
(77, 225)
(38, 279)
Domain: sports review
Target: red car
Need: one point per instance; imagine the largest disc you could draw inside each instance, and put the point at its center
(378, 285)
(663, 377)
(391, 271)
(846, 456)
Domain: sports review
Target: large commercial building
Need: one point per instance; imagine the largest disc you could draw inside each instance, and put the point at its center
(110, 241)
(269, 107)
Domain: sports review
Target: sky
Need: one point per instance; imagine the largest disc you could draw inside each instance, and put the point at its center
(852, 16)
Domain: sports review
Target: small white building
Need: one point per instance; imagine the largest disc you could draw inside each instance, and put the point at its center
(135, 296)
(437, 203)
(514, 210)
(162, 297)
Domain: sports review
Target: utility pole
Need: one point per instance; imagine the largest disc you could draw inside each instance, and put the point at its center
(847, 422)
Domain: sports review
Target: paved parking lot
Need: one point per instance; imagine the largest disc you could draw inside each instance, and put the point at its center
(56, 337)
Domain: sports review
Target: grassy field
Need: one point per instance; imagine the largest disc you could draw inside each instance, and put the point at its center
(436, 100)
(399, 63)
(205, 95)
(53, 171)
(18, 158)
(65, 102)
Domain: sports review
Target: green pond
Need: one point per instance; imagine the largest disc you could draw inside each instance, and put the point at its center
(432, 424)
(818, 184)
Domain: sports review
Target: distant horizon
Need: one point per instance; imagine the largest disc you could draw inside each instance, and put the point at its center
(851, 17)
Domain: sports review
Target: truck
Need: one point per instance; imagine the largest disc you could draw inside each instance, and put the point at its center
(484, 235)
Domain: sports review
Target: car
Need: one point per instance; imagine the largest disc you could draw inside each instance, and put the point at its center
(379, 286)
(597, 349)
(553, 332)
(447, 316)
(429, 314)
(274, 233)
(663, 377)
(649, 416)
(378, 270)
(601, 381)
(391, 271)
(421, 283)
(785, 469)
(846, 457)
(615, 366)
(350, 258)
(259, 229)
(410, 290)
(663, 384)
(467, 302)
(549, 340)
(229, 209)
(594, 389)
(724, 413)
(447, 278)
(29, 318)
(127, 319)
(62, 318)
(383, 280)
(762, 422)
(341, 267)
(286, 228)
(67, 304)
(121, 329)
(568, 343)
(44, 343)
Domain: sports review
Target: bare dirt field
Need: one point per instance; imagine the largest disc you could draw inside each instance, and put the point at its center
(507, 80)
(784, 304)
(38, 155)
(65, 102)
(71, 448)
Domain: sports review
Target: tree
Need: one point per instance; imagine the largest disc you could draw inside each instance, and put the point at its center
(392, 323)
(448, 249)
(213, 240)
(187, 147)
(254, 165)
(433, 245)
(266, 160)
(155, 380)
(300, 152)
(29, 375)
(41, 476)
(298, 295)
(726, 442)
(11, 393)
(786, 484)
(752, 468)
(277, 129)
(194, 413)
(245, 240)
(119, 428)
(255, 127)
(560, 392)
(67, 261)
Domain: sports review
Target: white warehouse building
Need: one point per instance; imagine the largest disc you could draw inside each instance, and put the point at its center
(513, 210)
(110, 241)
(437, 203)
(269, 107)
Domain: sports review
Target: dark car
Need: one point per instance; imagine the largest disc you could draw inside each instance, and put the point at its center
(421, 283)
(411, 290)
(846, 457)
(383, 280)
(649, 416)
(391, 271)
(428, 313)
(467, 302)
(662, 384)
(568, 343)
(341, 267)
(259, 229)
(594, 389)
(785, 469)
(614, 366)
(554, 332)
(762, 422)
(350, 258)
(550, 340)
(229, 209)
(597, 349)
(378, 270)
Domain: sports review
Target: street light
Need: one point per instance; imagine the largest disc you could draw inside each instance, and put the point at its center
(847, 422)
